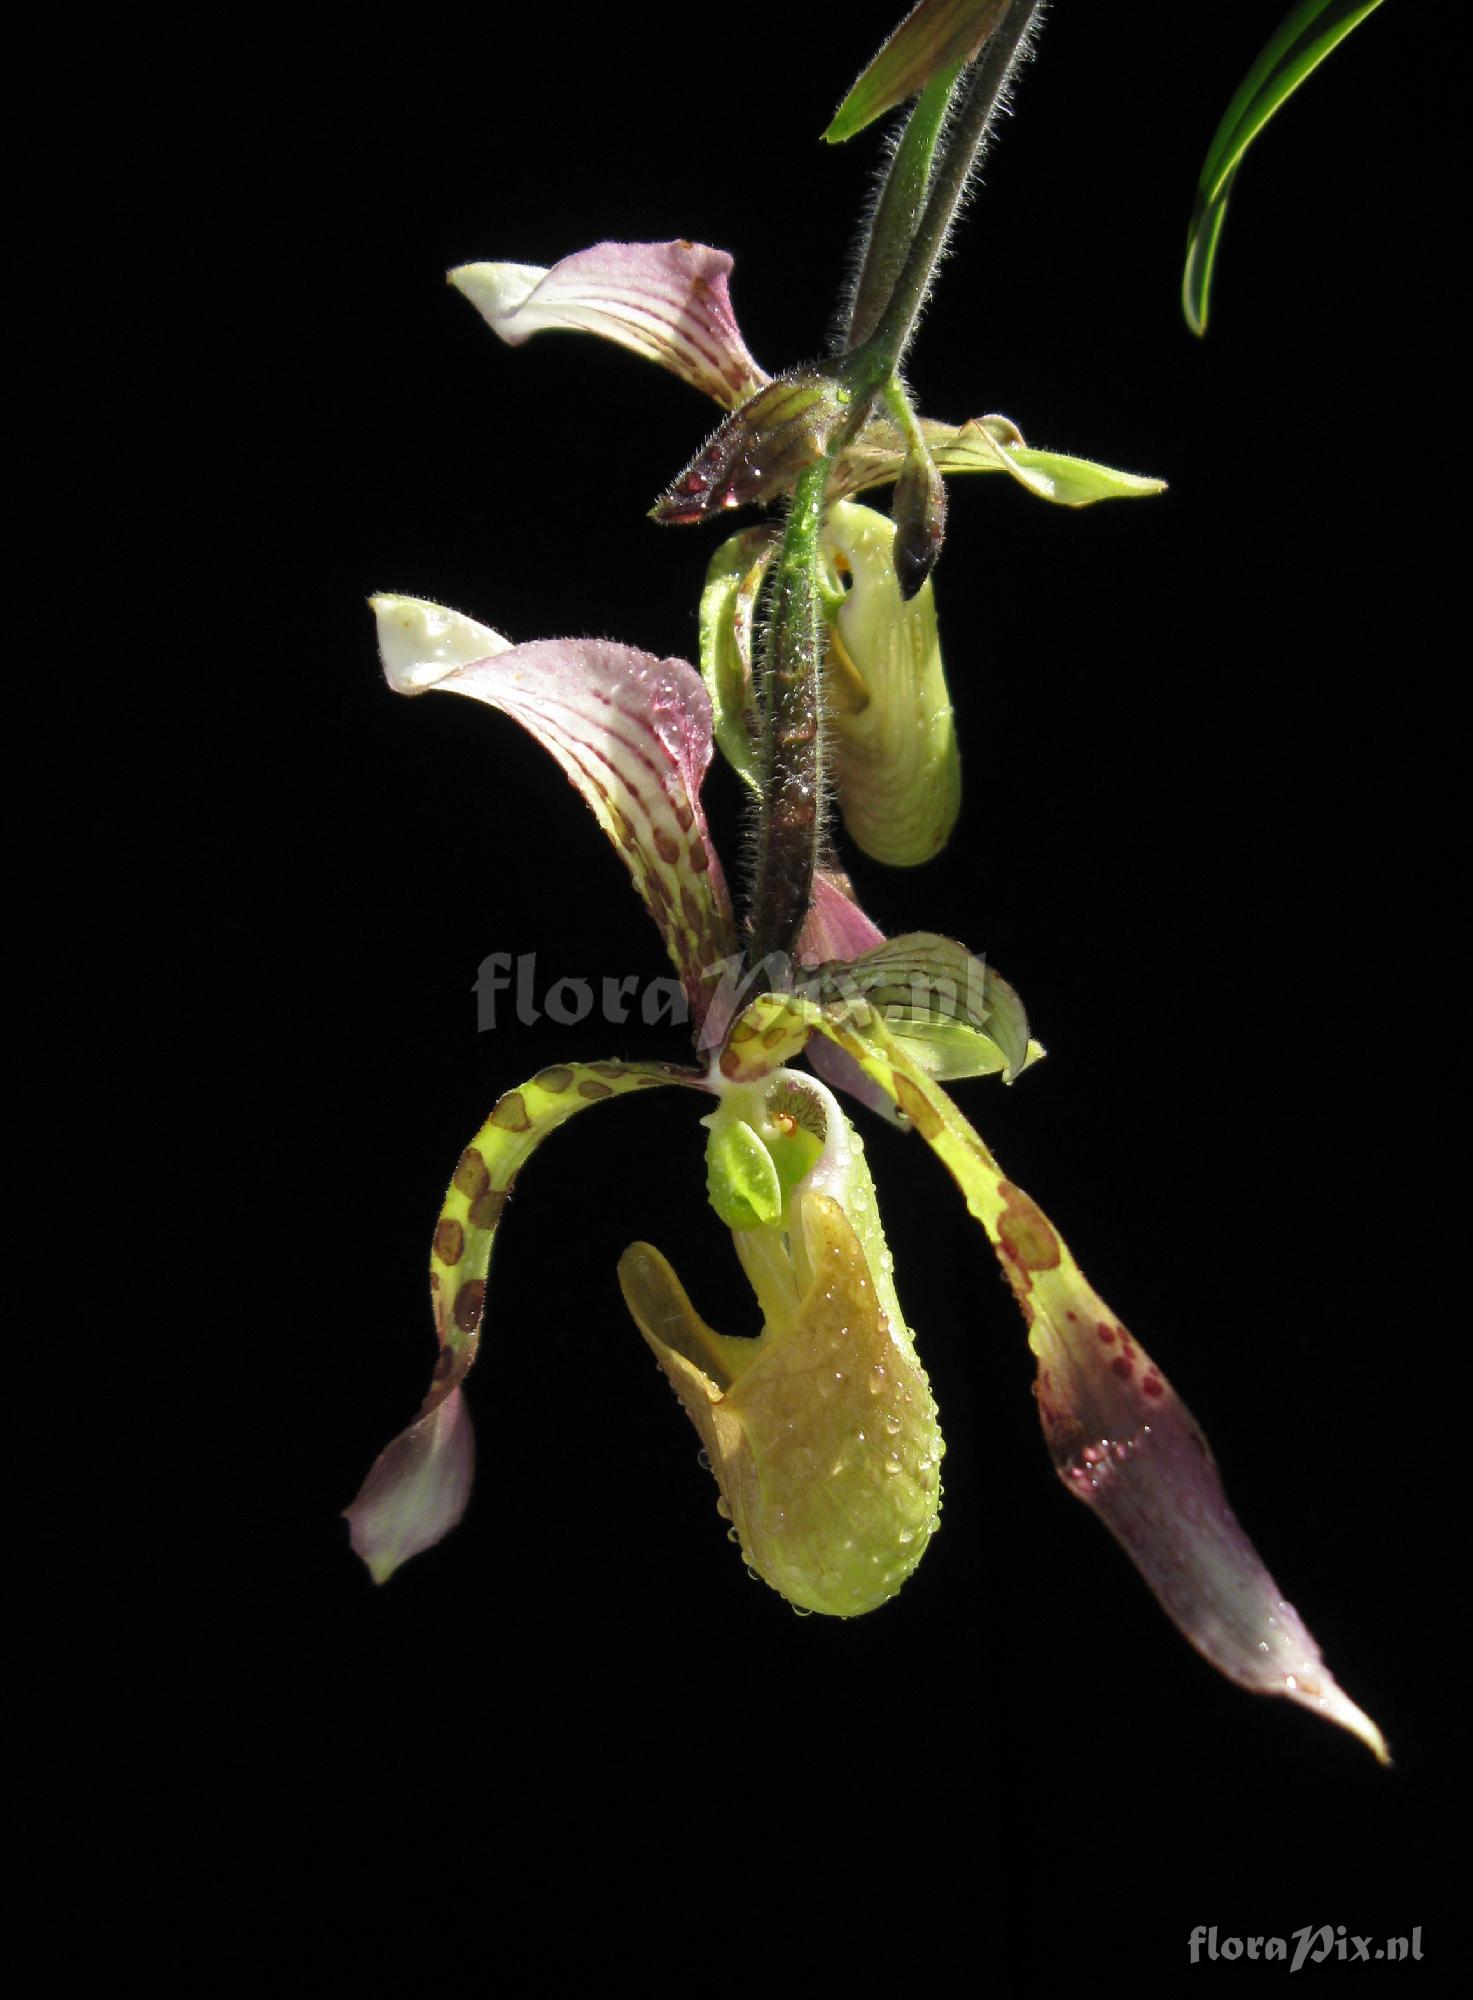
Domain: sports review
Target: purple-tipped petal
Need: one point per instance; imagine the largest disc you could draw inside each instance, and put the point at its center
(418, 1487)
(633, 733)
(1120, 1438)
(416, 1490)
(667, 301)
(1123, 1442)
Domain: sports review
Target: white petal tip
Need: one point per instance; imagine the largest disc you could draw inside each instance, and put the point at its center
(421, 643)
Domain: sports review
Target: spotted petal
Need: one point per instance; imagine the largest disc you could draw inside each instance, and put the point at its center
(419, 1485)
(1120, 1438)
(633, 733)
(667, 301)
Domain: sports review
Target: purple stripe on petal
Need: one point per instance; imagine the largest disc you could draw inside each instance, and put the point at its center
(667, 301)
(633, 733)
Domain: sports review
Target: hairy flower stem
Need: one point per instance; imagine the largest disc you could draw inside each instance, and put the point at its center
(790, 828)
(893, 224)
(881, 353)
(792, 730)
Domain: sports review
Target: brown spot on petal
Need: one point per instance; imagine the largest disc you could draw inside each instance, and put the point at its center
(624, 827)
(1121, 1367)
(700, 860)
(1154, 1386)
(607, 1068)
(485, 1211)
(555, 1079)
(1026, 1233)
(510, 1113)
(666, 845)
(684, 816)
(472, 1173)
(921, 1113)
(470, 1303)
(1106, 1333)
(593, 1091)
(449, 1240)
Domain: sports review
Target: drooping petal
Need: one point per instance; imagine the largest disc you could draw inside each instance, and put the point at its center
(418, 1486)
(895, 762)
(1120, 1438)
(667, 301)
(985, 444)
(633, 733)
(822, 1432)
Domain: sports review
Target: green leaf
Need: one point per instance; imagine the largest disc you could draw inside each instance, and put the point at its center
(1299, 45)
(935, 36)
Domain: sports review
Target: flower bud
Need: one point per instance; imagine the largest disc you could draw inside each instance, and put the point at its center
(896, 768)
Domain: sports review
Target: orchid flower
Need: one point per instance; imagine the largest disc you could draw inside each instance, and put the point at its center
(822, 1431)
(896, 771)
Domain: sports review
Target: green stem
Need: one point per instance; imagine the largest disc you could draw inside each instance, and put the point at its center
(792, 757)
(883, 351)
(898, 209)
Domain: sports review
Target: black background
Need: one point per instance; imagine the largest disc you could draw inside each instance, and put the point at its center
(1209, 779)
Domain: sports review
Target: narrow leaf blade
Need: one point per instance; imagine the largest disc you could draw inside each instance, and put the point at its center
(1297, 47)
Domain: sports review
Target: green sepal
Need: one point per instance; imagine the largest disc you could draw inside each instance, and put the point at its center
(985, 444)
(951, 1013)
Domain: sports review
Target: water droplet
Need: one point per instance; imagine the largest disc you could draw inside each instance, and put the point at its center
(732, 1535)
(892, 1463)
(801, 1610)
(755, 1575)
(703, 1460)
(892, 1425)
(877, 1379)
(722, 1508)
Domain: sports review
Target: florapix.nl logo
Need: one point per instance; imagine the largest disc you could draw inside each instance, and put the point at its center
(511, 988)
(1310, 1946)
